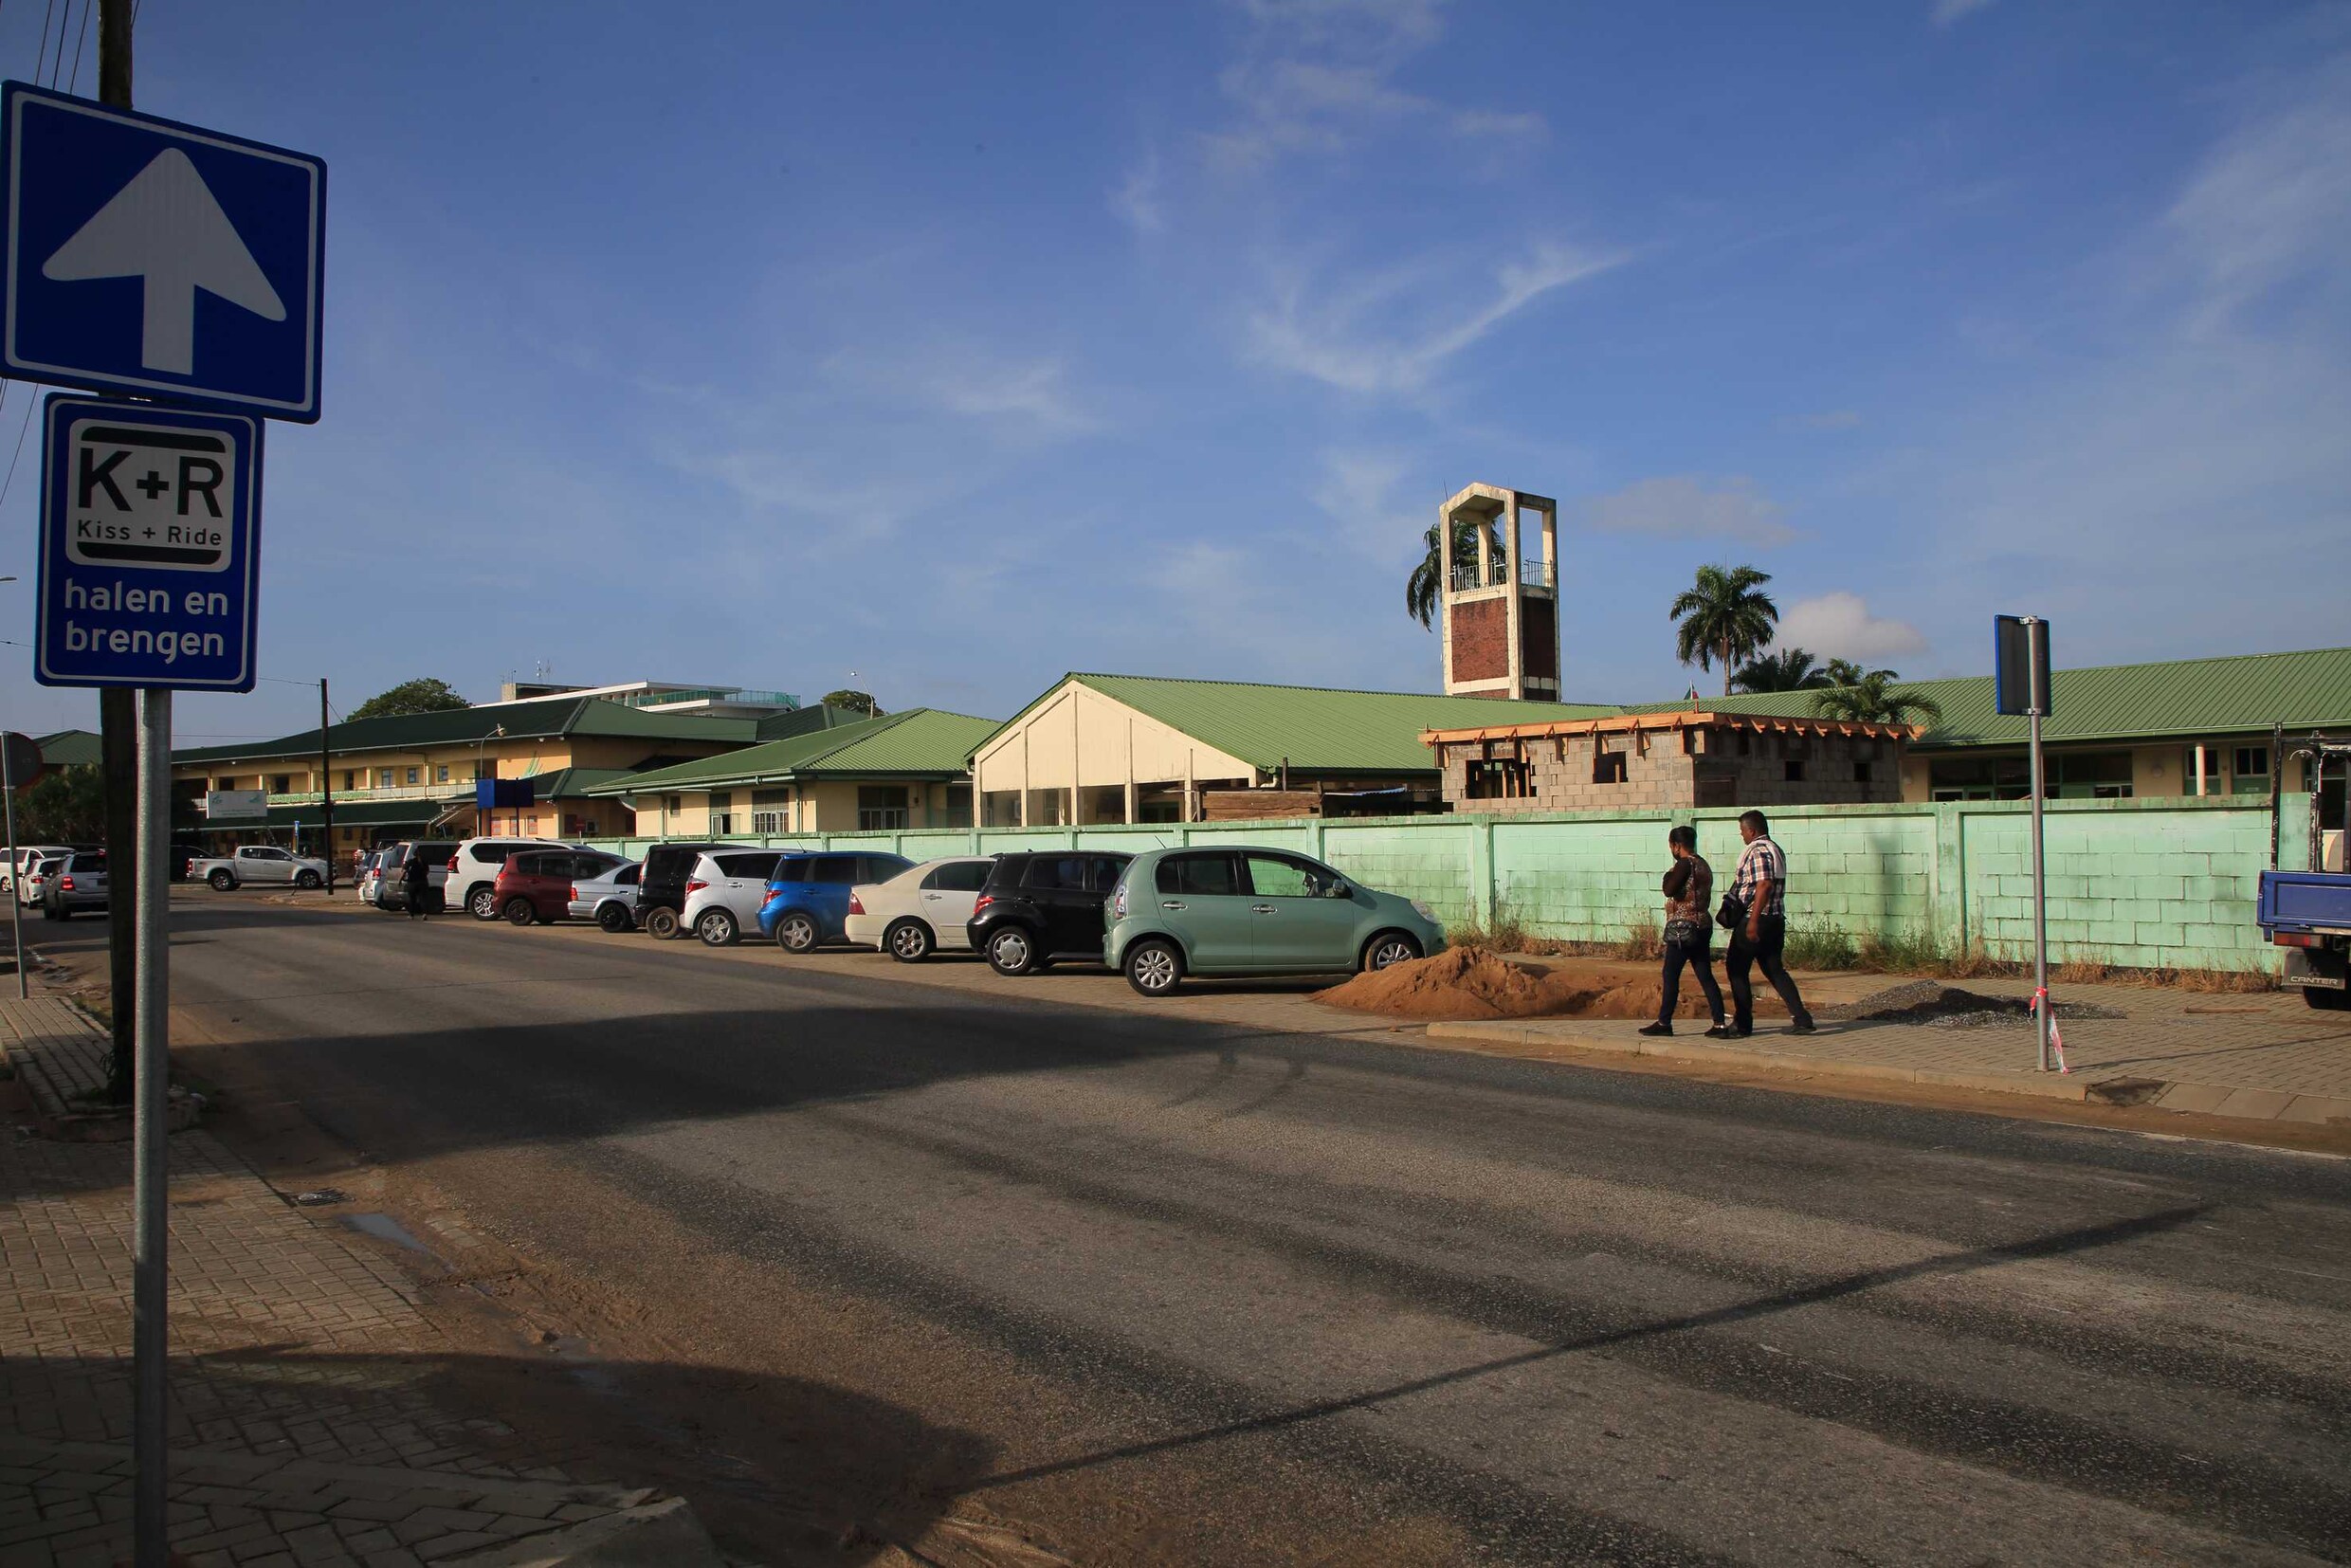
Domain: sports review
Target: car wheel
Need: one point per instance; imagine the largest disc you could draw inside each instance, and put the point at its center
(1388, 949)
(717, 928)
(306, 879)
(1154, 967)
(1013, 951)
(614, 918)
(909, 941)
(662, 924)
(481, 903)
(795, 932)
(2325, 1000)
(519, 912)
(222, 880)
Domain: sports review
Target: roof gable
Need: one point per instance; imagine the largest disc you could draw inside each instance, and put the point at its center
(1316, 729)
(916, 740)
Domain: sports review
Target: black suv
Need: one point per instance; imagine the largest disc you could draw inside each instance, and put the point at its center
(661, 886)
(1039, 905)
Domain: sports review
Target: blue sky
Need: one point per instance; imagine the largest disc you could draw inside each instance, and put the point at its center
(960, 346)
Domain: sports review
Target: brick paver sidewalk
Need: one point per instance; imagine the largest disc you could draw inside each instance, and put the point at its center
(2263, 1055)
(302, 1426)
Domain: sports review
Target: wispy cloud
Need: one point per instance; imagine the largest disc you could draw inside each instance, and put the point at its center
(1393, 331)
(1315, 75)
(1137, 202)
(2271, 205)
(1839, 625)
(1686, 506)
(1949, 12)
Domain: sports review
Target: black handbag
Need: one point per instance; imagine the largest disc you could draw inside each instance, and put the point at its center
(1732, 915)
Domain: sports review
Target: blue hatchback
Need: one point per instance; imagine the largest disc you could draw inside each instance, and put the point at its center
(808, 898)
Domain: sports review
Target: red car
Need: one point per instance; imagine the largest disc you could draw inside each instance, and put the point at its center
(536, 886)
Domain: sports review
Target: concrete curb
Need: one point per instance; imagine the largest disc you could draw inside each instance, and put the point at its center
(663, 1534)
(2080, 1089)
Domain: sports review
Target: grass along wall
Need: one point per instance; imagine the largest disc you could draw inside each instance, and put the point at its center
(2150, 884)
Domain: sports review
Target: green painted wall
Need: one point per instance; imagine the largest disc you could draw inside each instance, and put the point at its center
(2159, 883)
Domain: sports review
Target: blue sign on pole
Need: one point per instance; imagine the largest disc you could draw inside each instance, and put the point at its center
(149, 546)
(151, 258)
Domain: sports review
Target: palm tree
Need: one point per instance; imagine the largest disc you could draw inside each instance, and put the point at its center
(1873, 700)
(1844, 672)
(1421, 590)
(1790, 669)
(1723, 617)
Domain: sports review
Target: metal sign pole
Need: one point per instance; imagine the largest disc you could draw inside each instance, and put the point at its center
(16, 902)
(150, 1273)
(2040, 901)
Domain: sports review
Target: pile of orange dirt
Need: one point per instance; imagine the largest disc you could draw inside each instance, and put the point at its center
(1473, 982)
(1460, 982)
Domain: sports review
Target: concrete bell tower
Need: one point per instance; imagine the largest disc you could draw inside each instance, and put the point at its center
(1501, 619)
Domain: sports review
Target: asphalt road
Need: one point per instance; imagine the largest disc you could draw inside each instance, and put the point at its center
(1167, 1291)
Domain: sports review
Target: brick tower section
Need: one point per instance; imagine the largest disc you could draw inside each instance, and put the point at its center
(1499, 589)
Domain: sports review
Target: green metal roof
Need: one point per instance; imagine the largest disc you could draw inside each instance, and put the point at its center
(919, 742)
(546, 718)
(1315, 729)
(2182, 698)
(563, 783)
(822, 716)
(69, 749)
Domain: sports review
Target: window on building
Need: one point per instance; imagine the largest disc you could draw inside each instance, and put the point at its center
(1793, 768)
(2251, 774)
(880, 806)
(673, 803)
(722, 821)
(768, 822)
(415, 776)
(1861, 773)
(281, 783)
(1497, 778)
(1747, 742)
(441, 774)
(1608, 767)
(351, 778)
(383, 778)
(1693, 742)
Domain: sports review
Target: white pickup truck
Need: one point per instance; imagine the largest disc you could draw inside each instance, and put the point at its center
(260, 863)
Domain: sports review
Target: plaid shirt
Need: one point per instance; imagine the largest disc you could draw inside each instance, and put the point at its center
(1757, 861)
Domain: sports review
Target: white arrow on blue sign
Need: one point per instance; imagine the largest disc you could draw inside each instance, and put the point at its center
(149, 546)
(147, 257)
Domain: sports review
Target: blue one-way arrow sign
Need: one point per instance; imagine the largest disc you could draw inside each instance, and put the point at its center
(149, 257)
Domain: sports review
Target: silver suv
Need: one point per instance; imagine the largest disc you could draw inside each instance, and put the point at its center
(74, 883)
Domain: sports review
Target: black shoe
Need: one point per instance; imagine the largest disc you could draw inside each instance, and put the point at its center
(1740, 1031)
(1722, 1032)
(1655, 1028)
(1802, 1026)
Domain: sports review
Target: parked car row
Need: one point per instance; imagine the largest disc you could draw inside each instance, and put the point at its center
(1156, 917)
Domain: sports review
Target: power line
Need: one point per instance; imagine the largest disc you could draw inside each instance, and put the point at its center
(41, 55)
(21, 429)
(75, 81)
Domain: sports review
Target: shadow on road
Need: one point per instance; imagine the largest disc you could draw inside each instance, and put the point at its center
(775, 1466)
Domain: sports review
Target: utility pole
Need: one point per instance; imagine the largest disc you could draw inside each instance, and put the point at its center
(137, 736)
(326, 794)
(118, 718)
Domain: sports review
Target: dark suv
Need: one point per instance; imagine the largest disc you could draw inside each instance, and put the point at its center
(1039, 905)
(661, 886)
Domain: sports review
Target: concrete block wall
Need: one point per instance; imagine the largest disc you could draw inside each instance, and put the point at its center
(2156, 883)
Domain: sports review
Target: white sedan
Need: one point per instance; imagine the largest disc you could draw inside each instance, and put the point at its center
(919, 911)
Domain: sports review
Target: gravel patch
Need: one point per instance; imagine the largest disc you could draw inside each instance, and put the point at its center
(1937, 1006)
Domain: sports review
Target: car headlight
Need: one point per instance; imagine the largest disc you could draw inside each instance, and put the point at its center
(1424, 912)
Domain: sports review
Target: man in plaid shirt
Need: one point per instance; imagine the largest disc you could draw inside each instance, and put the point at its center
(1760, 886)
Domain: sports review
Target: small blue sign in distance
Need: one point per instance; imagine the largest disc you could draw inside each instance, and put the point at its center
(155, 259)
(149, 546)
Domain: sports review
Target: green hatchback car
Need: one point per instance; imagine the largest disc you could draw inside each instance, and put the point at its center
(1243, 911)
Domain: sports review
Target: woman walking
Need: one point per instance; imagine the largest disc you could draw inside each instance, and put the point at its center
(1690, 933)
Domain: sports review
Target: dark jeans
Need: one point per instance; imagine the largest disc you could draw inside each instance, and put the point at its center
(1763, 952)
(1700, 957)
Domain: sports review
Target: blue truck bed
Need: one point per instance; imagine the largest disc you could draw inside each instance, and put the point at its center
(2305, 901)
